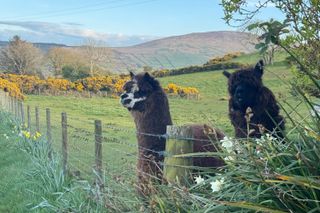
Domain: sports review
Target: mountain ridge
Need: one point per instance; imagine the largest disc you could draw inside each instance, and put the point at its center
(171, 52)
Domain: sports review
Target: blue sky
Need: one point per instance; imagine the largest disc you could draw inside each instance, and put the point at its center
(117, 22)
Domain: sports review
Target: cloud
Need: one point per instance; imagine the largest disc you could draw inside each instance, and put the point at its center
(66, 33)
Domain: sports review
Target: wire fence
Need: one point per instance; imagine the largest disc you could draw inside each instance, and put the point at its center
(89, 149)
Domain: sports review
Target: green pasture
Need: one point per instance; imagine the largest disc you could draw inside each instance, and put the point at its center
(120, 146)
(14, 164)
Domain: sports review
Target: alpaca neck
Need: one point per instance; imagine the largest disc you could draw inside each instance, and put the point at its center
(153, 120)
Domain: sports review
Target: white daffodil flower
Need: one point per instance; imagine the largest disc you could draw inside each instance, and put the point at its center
(270, 137)
(217, 185)
(198, 180)
(227, 143)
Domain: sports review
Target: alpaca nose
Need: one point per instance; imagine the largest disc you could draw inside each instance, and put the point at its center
(126, 101)
(124, 95)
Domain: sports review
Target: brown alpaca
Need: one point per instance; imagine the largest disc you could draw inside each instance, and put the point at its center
(149, 107)
(247, 91)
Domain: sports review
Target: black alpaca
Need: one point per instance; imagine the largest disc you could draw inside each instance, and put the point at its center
(149, 107)
(247, 91)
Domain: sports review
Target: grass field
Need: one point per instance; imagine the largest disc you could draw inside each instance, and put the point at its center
(120, 153)
(120, 147)
(14, 164)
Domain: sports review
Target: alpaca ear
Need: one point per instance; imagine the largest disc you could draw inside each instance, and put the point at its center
(152, 81)
(258, 69)
(226, 73)
(132, 74)
(147, 76)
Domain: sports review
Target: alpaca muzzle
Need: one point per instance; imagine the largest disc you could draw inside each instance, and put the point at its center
(128, 101)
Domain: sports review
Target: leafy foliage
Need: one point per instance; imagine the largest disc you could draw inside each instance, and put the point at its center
(12, 88)
(298, 34)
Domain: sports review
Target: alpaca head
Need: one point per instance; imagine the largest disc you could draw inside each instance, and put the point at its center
(137, 90)
(244, 86)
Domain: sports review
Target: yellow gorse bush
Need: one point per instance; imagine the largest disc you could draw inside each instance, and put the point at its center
(35, 85)
(57, 84)
(12, 88)
(181, 91)
(111, 84)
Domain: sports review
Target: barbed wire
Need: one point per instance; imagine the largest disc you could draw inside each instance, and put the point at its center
(81, 151)
(159, 136)
(80, 161)
(73, 166)
(80, 130)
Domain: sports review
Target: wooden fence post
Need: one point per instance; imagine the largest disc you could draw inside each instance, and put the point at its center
(98, 150)
(16, 108)
(29, 118)
(37, 119)
(177, 169)
(11, 105)
(1, 98)
(64, 142)
(7, 102)
(14, 112)
(49, 135)
(22, 113)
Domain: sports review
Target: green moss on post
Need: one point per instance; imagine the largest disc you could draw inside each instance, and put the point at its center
(177, 169)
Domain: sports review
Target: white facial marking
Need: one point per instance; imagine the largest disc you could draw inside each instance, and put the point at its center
(134, 88)
(134, 101)
(130, 96)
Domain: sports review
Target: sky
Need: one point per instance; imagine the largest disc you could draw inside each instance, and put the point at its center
(115, 22)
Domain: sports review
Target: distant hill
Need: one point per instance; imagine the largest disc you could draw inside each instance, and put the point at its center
(180, 51)
(172, 52)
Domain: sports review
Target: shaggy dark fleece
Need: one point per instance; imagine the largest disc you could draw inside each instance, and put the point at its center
(247, 90)
(151, 115)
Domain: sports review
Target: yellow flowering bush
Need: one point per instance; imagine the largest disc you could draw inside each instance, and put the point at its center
(12, 88)
(111, 84)
(190, 92)
(118, 86)
(57, 84)
(35, 85)
(28, 84)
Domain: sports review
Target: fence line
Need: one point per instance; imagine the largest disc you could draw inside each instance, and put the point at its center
(98, 140)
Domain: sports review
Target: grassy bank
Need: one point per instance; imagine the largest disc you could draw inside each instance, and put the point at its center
(15, 163)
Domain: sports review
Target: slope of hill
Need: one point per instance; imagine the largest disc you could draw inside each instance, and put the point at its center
(180, 51)
(171, 52)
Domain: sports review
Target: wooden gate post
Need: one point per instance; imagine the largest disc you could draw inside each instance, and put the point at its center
(177, 169)
(98, 150)
(64, 142)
